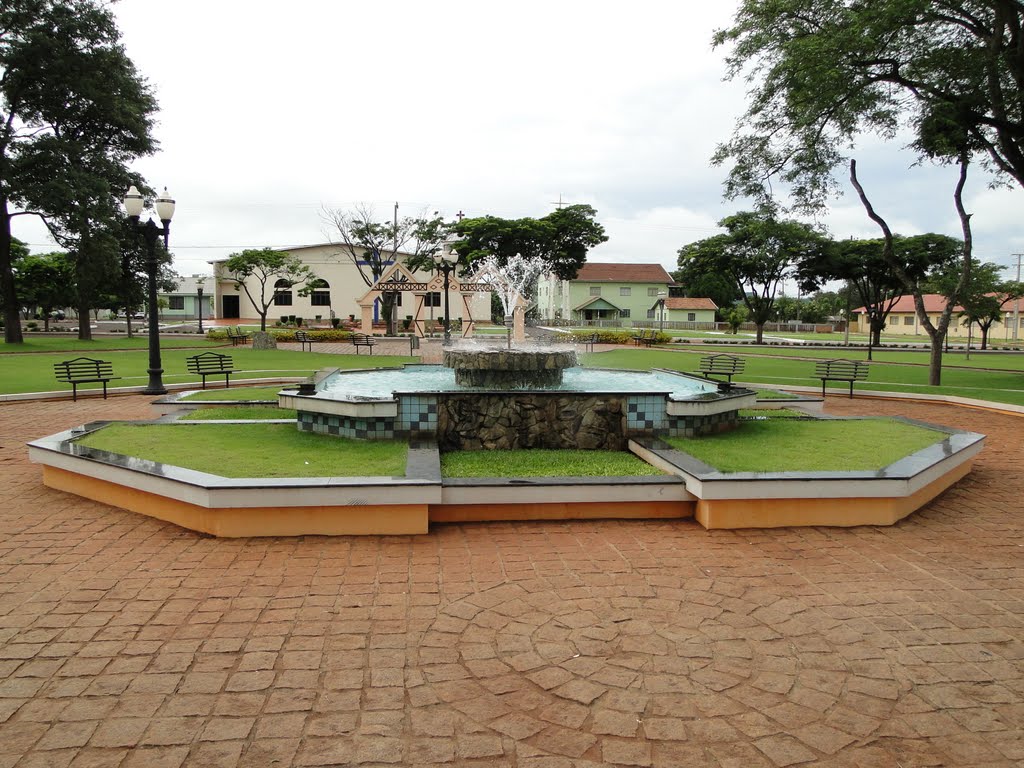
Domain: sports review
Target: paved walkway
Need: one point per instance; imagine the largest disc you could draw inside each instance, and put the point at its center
(129, 642)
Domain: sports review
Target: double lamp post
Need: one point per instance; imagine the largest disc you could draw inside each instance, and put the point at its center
(151, 233)
(446, 260)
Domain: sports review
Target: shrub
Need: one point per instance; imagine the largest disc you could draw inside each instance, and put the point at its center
(335, 322)
(604, 336)
(284, 319)
(298, 321)
(322, 334)
(31, 325)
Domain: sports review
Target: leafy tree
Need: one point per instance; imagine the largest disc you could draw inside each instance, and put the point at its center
(928, 249)
(73, 114)
(562, 238)
(983, 298)
(374, 246)
(825, 71)
(717, 287)
(46, 282)
(757, 252)
(265, 267)
(735, 317)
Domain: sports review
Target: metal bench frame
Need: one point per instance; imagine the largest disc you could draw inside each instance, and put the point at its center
(721, 365)
(237, 336)
(363, 340)
(211, 364)
(84, 370)
(840, 370)
(305, 340)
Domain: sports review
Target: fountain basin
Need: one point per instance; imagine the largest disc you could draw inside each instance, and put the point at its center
(590, 409)
(509, 368)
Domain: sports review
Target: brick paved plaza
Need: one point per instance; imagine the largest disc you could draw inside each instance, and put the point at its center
(125, 641)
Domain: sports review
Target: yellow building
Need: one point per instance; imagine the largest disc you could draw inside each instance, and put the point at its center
(903, 320)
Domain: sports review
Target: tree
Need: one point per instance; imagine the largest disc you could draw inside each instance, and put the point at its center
(562, 238)
(73, 114)
(266, 267)
(374, 246)
(757, 252)
(928, 249)
(45, 282)
(735, 317)
(983, 298)
(825, 71)
(717, 287)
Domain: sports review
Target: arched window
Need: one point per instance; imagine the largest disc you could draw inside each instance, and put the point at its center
(283, 293)
(321, 296)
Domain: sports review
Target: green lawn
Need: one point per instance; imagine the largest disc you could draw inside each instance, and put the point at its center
(101, 343)
(791, 445)
(236, 393)
(252, 450)
(543, 463)
(239, 412)
(779, 367)
(34, 373)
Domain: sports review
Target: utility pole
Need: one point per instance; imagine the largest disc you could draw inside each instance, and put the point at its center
(1016, 302)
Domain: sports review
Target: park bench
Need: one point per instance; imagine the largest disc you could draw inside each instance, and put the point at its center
(840, 370)
(588, 342)
(304, 339)
(645, 338)
(720, 365)
(84, 370)
(363, 340)
(237, 336)
(211, 364)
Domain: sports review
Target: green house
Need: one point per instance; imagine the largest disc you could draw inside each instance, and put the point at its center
(605, 294)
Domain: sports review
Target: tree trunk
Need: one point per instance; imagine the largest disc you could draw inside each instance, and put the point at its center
(935, 361)
(760, 334)
(8, 291)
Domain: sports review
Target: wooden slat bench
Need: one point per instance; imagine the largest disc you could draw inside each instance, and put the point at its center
(588, 342)
(644, 338)
(363, 340)
(84, 370)
(721, 365)
(305, 340)
(237, 336)
(841, 370)
(211, 364)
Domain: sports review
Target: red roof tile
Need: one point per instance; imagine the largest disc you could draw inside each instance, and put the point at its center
(596, 272)
(688, 303)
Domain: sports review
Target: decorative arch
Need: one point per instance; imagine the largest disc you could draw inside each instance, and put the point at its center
(399, 278)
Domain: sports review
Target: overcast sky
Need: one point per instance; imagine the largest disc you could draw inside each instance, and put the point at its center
(269, 112)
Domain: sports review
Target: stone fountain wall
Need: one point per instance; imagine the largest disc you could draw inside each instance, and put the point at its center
(508, 420)
(509, 369)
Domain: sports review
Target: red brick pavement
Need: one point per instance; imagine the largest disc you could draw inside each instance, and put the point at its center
(129, 642)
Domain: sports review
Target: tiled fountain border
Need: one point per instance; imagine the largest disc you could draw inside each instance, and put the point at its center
(406, 505)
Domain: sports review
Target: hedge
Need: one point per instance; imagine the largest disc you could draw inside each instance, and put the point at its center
(288, 335)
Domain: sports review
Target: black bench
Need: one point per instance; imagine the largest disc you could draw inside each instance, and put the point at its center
(645, 338)
(721, 365)
(363, 340)
(84, 370)
(588, 342)
(211, 364)
(237, 336)
(841, 370)
(305, 340)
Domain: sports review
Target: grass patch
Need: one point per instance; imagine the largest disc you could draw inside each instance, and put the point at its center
(238, 393)
(772, 413)
(788, 445)
(252, 450)
(102, 343)
(544, 463)
(783, 367)
(34, 373)
(774, 394)
(243, 412)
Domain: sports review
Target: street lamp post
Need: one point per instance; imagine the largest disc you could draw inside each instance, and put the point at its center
(445, 261)
(661, 301)
(199, 292)
(150, 232)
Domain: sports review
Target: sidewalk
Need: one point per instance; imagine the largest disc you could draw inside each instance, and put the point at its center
(128, 642)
